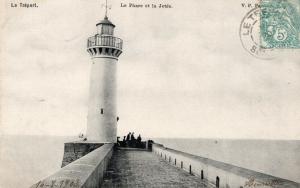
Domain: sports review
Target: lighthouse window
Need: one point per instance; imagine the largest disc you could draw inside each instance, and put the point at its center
(107, 30)
(102, 111)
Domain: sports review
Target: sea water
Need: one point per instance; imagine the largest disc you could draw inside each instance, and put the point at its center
(24, 160)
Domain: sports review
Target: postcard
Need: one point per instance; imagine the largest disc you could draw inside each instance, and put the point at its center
(149, 93)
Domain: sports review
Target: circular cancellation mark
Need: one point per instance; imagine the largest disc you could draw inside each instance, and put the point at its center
(250, 35)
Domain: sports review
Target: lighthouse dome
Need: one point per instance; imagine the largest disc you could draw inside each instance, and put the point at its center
(105, 21)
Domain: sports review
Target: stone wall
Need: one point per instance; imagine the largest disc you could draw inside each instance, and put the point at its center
(228, 176)
(76, 150)
(86, 172)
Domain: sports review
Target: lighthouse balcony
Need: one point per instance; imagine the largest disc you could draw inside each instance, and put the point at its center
(105, 41)
(104, 46)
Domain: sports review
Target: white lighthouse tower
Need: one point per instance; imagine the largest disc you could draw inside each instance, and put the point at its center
(104, 50)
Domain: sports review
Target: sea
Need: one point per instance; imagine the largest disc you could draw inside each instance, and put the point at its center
(24, 160)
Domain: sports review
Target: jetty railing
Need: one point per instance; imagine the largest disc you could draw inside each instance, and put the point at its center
(220, 174)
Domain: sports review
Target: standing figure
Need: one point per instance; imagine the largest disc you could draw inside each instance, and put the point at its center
(128, 136)
(139, 141)
(132, 137)
(124, 142)
(132, 141)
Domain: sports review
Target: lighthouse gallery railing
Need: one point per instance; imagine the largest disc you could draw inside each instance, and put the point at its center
(100, 40)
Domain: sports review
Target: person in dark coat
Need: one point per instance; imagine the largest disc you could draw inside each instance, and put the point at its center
(139, 141)
(124, 142)
(139, 138)
(128, 136)
(132, 140)
(132, 137)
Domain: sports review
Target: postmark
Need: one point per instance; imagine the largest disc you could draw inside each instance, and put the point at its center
(250, 35)
(280, 24)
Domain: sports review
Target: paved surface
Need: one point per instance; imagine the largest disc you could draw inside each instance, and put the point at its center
(144, 169)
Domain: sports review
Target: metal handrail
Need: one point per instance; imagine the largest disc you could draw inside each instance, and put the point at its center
(100, 40)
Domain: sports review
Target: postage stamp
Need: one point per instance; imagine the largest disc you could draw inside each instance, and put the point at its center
(280, 24)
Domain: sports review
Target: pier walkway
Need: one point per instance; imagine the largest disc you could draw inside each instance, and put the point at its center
(132, 168)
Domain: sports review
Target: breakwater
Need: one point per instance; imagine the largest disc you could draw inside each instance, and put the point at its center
(89, 170)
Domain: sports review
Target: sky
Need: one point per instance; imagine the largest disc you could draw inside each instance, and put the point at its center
(183, 72)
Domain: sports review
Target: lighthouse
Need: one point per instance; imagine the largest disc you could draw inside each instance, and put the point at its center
(104, 49)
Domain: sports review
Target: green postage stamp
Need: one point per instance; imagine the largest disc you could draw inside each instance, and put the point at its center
(280, 24)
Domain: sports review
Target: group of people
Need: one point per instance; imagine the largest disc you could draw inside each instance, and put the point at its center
(131, 141)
